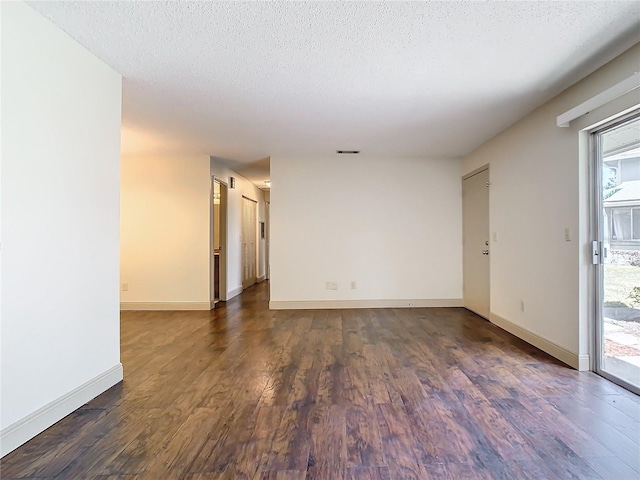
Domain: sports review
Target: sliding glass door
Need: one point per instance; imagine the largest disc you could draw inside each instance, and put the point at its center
(616, 150)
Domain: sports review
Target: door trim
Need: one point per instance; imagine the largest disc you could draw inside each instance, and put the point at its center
(475, 172)
(224, 239)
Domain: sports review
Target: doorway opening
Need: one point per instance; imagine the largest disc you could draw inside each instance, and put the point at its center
(218, 256)
(615, 187)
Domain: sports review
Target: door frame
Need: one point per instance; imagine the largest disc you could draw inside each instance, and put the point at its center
(267, 227)
(224, 202)
(466, 176)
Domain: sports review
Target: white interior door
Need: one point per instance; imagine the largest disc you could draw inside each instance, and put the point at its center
(475, 231)
(249, 244)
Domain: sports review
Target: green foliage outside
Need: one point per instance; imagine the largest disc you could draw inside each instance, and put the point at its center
(634, 296)
(608, 193)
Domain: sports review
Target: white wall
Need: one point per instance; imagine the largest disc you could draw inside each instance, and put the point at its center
(166, 213)
(60, 185)
(538, 188)
(234, 224)
(165, 232)
(394, 226)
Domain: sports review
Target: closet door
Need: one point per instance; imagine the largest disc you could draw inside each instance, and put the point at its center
(475, 250)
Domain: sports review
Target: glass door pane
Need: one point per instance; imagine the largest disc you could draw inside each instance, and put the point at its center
(618, 148)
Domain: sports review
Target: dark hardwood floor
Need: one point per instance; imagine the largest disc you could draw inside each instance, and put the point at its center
(247, 393)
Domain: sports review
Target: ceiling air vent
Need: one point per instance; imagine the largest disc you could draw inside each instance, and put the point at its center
(347, 152)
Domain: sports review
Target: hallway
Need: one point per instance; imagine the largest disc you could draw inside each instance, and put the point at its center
(243, 392)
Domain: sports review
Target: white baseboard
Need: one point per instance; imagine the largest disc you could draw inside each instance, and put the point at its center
(566, 356)
(28, 427)
(261, 278)
(165, 306)
(234, 293)
(584, 362)
(332, 304)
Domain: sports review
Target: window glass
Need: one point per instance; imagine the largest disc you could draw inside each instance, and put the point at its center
(621, 220)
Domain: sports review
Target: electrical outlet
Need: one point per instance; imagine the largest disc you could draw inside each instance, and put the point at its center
(332, 286)
(125, 287)
(353, 285)
(567, 235)
(522, 305)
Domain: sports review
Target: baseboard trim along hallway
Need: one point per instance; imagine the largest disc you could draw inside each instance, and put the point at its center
(333, 304)
(28, 427)
(125, 306)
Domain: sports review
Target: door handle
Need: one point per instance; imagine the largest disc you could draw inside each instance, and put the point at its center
(485, 252)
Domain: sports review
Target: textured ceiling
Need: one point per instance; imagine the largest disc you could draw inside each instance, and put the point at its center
(244, 81)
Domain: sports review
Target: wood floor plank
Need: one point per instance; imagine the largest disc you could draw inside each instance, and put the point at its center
(456, 471)
(243, 392)
(629, 406)
(160, 425)
(619, 420)
(291, 442)
(281, 475)
(612, 468)
(328, 454)
(364, 445)
(579, 440)
(249, 453)
(520, 456)
(117, 477)
(37, 459)
(219, 451)
(618, 444)
(176, 455)
(546, 441)
(401, 448)
(368, 473)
